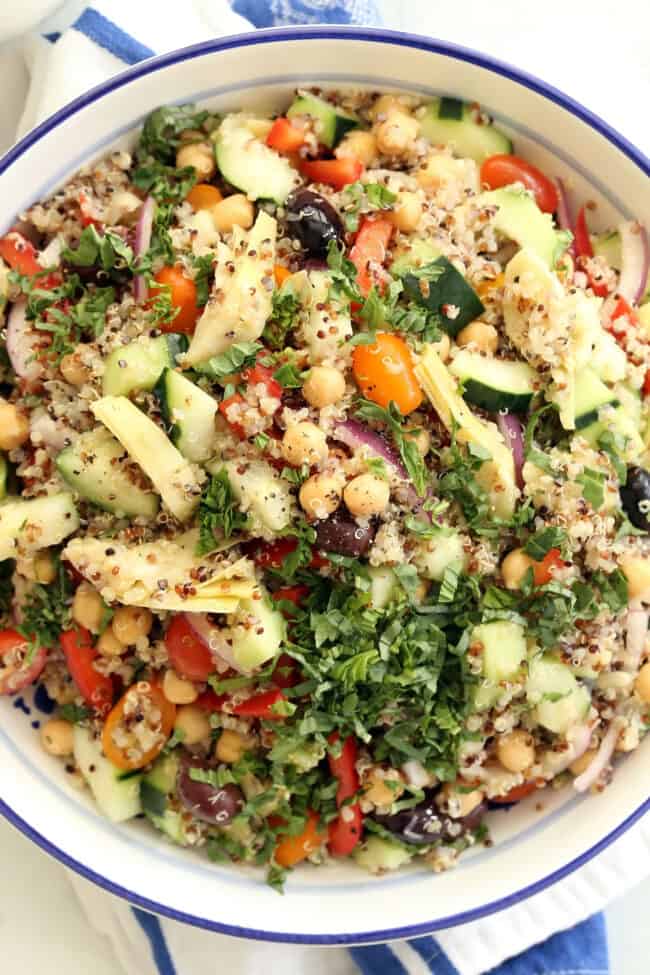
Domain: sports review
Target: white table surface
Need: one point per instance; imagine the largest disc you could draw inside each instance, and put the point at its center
(598, 52)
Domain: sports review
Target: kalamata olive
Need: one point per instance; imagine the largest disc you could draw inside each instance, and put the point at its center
(343, 536)
(425, 823)
(212, 804)
(635, 497)
(313, 221)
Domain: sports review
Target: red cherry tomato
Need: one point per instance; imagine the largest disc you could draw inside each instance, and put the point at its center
(543, 571)
(333, 172)
(80, 654)
(503, 170)
(519, 792)
(273, 554)
(189, 656)
(18, 666)
(370, 247)
(286, 672)
(284, 136)
(290, 594)
(20, 254)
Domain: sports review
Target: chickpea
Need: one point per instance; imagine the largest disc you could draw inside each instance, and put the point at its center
(44, 567)
(304, 443)
(366, 495)
(56, 737)
(483, 337)
(320, 495)
(200, 155)
(582, 764)
(382, 786)
(514, 567)
(323, 386)
(384, 105)
(407, 212)
(637, 572)
(516, 750)
(130, 623)
(230, 746)
(14, 426)
(421, 438)
(456, 802)
(109, 645)
(236, 210)
(88, 608)
(73, 370)
(642, 683)
(177, 690)
(397, 133)
(193, 723)
(360, 144)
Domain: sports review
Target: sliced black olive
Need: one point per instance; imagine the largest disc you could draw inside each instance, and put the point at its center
(425, 823)
(635, 497)
(212, 804)
(343, 536)
(313, 221)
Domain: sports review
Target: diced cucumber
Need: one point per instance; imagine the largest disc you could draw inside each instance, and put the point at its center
(331, 122)
(255, 635)
(504, 648)
(383, 586)
(190, 411)
(450, 122)
(93, 467)
(413, 255)
(616, 420)
(4, 474)
(444, 551)
(118, 798)
(378, 855)
(494, 384)
(172, 824)
(446, 292)
(486, 695)
(260, 491)
(138, 366)
(27, 525)
(558, 698)
(249, 164)
(591, 394)
(163, 774)
(519, 218)
(170, 473)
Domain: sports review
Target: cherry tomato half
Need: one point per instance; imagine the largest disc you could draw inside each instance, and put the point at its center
(142, 705)
(503, 170)
(202, 196)
(80, 654)
(384, 372)
(18, 666)
(20, 254)
(293, 849)
(182, 293)
(519, 792)
(332, 172)
(345, 831)
(189, 656)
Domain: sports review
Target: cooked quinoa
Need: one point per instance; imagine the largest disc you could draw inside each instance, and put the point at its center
(325, 510)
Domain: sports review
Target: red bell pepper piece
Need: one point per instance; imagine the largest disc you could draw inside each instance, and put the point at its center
(284, 136)
(20, 254)
(290, 594)
(543, 571)
(583, 249)
(95, 688)
(622, 309)
(259, 374)
(257, 706)
(237, 428)
(86, 217)
(333, 172)
(345, 831)
(517, 793)
(370, 245)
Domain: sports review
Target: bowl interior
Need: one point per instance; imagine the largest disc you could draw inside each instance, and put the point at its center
(539, 840)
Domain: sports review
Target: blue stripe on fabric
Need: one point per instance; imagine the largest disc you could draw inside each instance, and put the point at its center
(432, 954)
(153, 930)
(580, 949)
(278, 13)
(112, 38)
(377, 960)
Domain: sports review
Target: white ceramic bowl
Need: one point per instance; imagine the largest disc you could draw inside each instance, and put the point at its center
(534, 848)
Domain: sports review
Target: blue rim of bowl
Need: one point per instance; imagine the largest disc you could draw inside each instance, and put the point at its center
(376, 35)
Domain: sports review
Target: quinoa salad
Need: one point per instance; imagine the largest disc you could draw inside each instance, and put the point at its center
(324, 480)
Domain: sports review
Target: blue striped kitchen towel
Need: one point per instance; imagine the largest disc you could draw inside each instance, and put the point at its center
(95, 42)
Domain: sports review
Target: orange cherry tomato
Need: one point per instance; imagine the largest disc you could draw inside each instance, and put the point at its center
(182, 291)
(332, 172)
(293, 849)
(284, 136)
(519, 792)
(203, 196)
(370, 245)
(503, 169)
(384, 372)
(281, 274)
(136, 702)
(543, 571)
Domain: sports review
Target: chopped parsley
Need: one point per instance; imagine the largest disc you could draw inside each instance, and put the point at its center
(239, 356)
(46, 610)
(108, 251)
(541, 543)
(593, 486)
(203, 266)
(74, 713)
(364, 197)
(162, 129)
(284, 313)
(219, 514)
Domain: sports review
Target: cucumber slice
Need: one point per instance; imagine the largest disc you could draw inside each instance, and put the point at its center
(171, 475)
(559, 699)
(591, 394)
(445, 291)
(28, 525)
(131, 368)
(331, 122)
(190, 411)
(250, 164)
(519, 218)
(256, 634)
(378, 855)
(383, 586)
(156, 787)
(448, 121)
(504, 648)
(118, 798)
(92, 466)
(413, 255)
(445, 551)
(494, 384)
(259, 491)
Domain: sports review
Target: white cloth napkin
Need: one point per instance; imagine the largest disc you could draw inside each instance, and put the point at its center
(53, 74)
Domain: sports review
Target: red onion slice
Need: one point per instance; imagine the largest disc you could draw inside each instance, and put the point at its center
(600, 760)
(635, 637)
(564, 218)
(142, 243)
(513, 434)
(635, 261)
(214, 638)
(23, 343)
